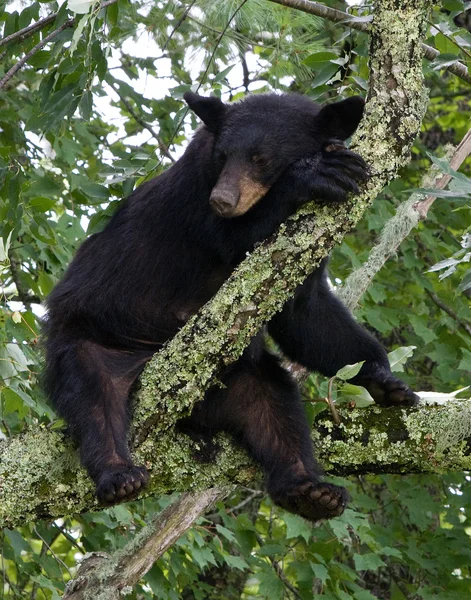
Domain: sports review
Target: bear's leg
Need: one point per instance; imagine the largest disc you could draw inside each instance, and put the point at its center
(318, 331)
(261, 407)
(89, 387)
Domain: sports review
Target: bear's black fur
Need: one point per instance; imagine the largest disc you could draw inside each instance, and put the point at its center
(166, 252)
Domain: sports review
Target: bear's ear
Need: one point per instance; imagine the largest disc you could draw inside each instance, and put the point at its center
(210, 110)
(340, 120)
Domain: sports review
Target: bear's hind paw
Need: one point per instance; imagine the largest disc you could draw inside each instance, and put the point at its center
(120, 483)
(314, 500)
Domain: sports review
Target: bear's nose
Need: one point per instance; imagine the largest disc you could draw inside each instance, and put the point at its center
(223, 202)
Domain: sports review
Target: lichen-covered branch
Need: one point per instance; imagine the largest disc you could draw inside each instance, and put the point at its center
(43, 479)
(39, 474)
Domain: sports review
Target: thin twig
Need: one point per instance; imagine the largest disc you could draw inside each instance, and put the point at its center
(15, 269)
(162, 146)
(319, 10)
(63, 531)
(203, 77)
(451, 39)
(41, 44)
(48, 547)
(182, 18)
(331, 403)
(30, 30)
(449, 311)
(41, 24)
(33, 51)
(279, 570)
(44, 548)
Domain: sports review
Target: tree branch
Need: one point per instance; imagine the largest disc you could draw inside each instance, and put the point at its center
(408, 216)
(41, 24)
(40, 474)
(466, 326)
(337, 16)
(107, 577)
(9, 74)
(27, 31)
(162, 146)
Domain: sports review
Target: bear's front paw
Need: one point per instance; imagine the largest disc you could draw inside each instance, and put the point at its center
(389, 391)
(336, 172)
(346, 168)
(314, 500)
(120, 483)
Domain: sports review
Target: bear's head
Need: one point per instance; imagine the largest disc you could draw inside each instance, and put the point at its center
(256, 139)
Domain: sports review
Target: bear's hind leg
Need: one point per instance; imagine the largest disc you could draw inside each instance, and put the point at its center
(261, 407)
(89, 386)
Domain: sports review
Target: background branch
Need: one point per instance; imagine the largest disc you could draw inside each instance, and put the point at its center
(408, 216)
(104, 576)
(9, 74)
(449, 311)
(162, 146)
(337, 16)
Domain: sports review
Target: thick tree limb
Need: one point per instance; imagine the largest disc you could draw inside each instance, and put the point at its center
(39, 473)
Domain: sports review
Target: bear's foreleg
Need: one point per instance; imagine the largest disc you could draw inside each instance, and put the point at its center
(317, 330)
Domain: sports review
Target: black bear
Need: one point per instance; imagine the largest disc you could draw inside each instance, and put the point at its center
(165, 253)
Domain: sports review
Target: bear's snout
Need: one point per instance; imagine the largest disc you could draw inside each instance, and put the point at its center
(224, 201)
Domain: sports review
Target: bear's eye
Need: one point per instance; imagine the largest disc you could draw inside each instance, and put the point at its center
(260, 161)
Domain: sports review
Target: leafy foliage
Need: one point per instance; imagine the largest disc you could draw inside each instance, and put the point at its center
(96, 111)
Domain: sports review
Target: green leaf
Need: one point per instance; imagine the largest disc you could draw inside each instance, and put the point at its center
(271, 550)
(17, 542)
(236, 562)
(80, 7)
(349, 371)
(270, 586)
(296, 527)
(397, 358)
(227, 533)
(466, 283)
(444, 45)
(320, 571)
(314, 60)
(465, 364)
(443, 61)
(222, 75)
(324, 75)
(368, 562)
(41, 203)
